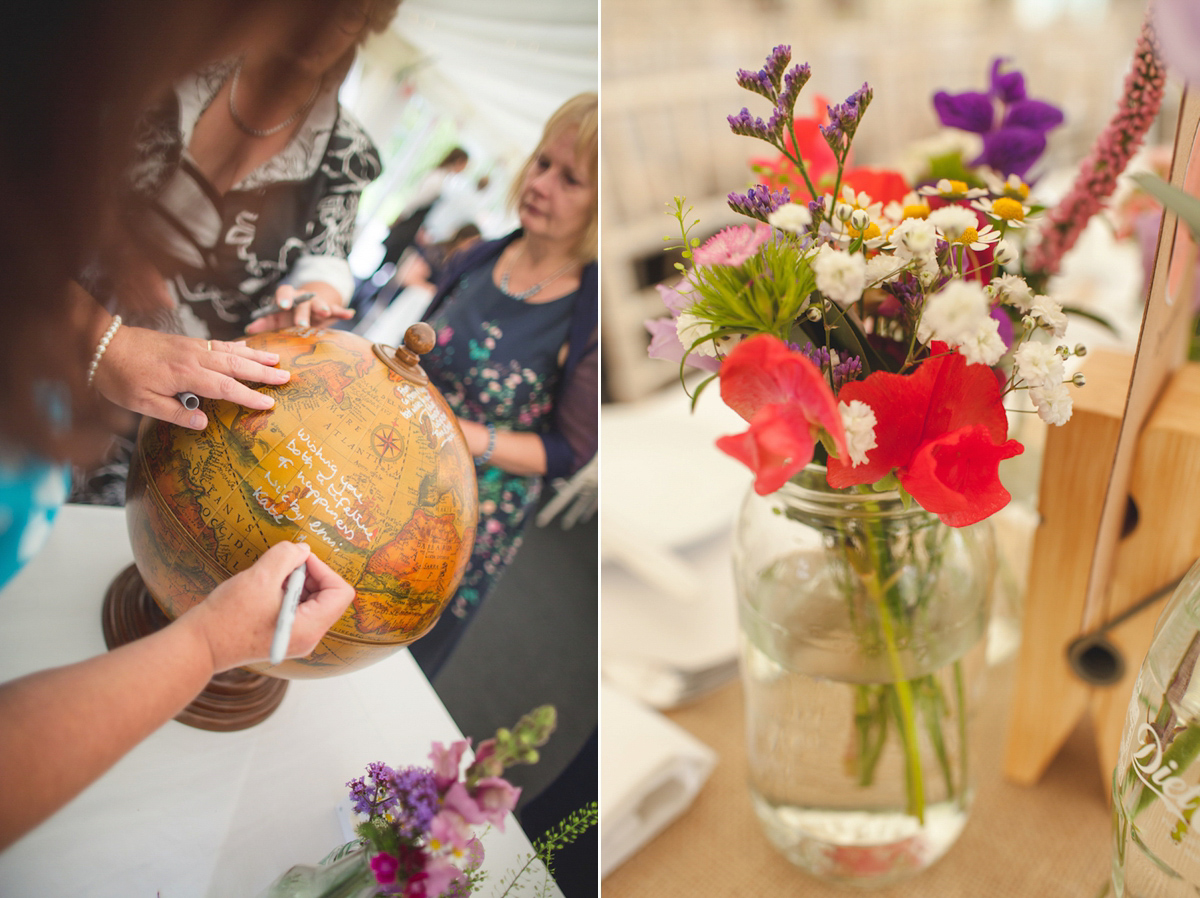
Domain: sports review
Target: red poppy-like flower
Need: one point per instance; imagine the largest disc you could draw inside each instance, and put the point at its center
(943, 430)
(787, 403)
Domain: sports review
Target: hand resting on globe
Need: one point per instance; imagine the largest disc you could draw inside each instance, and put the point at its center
(143, 370)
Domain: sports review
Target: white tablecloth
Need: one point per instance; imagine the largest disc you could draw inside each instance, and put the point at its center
(195, 813)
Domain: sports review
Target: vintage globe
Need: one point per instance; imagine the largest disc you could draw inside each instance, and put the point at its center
(360, 457)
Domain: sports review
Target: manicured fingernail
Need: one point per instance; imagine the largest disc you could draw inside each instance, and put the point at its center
(273, 356)
(198, 421)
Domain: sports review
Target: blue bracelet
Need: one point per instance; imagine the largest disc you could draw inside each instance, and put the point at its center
(491, 446)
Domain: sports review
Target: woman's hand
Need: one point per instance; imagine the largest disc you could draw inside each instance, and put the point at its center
(324, 308)
(143, 370)
(237, 620)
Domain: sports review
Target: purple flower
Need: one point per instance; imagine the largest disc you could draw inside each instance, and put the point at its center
(1177, 23)
(371, 793)
(1019, 141)
(746, 125)
(968, 111)
(758, 202)
(416, 801)
(1008, 87)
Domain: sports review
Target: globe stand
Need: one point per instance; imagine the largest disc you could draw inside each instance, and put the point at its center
(233, 700)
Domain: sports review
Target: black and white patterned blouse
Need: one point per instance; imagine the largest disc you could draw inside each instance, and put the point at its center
(289, 221)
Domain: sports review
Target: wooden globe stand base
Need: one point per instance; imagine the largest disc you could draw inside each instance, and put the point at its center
(234, 700)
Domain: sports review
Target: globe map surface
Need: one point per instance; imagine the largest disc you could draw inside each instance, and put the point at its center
(360, 459)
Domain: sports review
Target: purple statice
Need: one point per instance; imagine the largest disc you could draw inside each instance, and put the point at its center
(758, 202)
(795, 79)
(1013, 146)
(781, 86)
(372, 793)
(416, 801)
(846, 370)
(767, 80)
(746, 125)
(844, 119)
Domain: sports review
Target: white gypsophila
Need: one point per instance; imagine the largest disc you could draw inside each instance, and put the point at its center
(1049, 314)
(914, 238)
(953, 221)
(985, 346)
(954, 314)
(791, 217)
(882, 268)
(1053, 403)
(841, 276)
(858, 419)
(1038, 365)
(1005, 253)
(691, 328)
(928, 270)
(1011, 290)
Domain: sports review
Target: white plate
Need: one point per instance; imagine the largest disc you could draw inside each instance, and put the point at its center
(661, 471)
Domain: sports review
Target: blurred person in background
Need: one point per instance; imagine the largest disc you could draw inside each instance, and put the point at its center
(247, 181)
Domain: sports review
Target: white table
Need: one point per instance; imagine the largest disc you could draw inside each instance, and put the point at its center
(196, 813)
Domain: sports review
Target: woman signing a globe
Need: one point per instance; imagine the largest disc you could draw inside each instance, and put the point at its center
(516, 353)
(246, 186)
(90, 65)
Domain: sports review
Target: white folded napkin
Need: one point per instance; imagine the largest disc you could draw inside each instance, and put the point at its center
(651, 772)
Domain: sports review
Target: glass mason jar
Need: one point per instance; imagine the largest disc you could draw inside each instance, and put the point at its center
(345, 873)
(1156, 783)
(862, 631)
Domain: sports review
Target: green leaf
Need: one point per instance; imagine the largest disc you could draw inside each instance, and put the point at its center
(1183, 204)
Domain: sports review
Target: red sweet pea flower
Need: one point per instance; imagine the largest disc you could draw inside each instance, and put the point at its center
(943, 430)
(787, 402)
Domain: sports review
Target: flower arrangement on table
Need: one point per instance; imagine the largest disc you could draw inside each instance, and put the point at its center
(417, 824)
(876, 328)
(888, 333)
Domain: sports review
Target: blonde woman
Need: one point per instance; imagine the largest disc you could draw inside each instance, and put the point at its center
(516, 354)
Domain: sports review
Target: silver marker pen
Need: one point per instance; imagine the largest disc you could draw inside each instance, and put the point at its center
(287, 614)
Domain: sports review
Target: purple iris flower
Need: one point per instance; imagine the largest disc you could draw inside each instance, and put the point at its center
(1012, 147)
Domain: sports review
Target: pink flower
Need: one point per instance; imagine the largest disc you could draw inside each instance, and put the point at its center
(474, 859)
(385, 866)
(446, 762)
(449, 828)
(733, 245)
(664, 336)
(432, 881)
(1097, 177)
(458, 800)
(495, 797)
(787, 402)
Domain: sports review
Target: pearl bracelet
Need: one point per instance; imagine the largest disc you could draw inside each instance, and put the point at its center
(101, 348)
(491, 446)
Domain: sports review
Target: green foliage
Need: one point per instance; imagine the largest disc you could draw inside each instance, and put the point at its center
(563, 833)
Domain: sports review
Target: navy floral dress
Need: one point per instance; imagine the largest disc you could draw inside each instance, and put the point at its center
(497, 359)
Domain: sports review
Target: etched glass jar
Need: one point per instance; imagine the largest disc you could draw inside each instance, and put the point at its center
(1156, 783)
(862, 631)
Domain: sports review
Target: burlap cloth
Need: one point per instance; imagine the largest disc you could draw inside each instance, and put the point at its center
(1051, 839)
